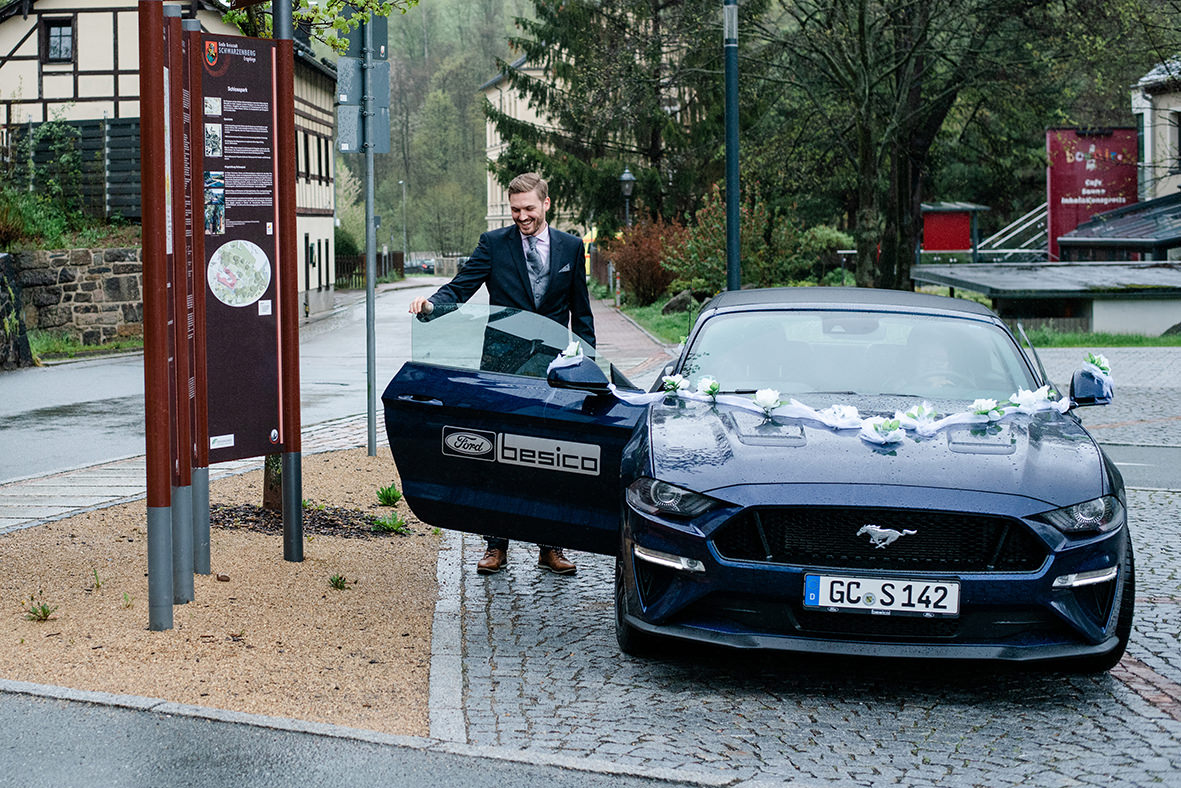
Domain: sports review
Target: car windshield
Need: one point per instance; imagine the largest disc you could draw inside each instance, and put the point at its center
(492, 339)
(857, 352)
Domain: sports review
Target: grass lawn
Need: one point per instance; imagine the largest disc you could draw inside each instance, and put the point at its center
(47, 345)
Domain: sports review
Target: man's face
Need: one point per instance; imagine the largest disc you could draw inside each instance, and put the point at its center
(528, 211)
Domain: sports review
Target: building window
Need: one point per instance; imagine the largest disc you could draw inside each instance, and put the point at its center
(1174, 148)
(57, 43)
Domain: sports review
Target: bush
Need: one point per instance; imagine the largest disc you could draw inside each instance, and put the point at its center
(345, 243)
(774, 249)
(638, 256)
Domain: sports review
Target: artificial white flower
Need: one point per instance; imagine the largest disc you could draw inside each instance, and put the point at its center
(881, 430)
(987, 407)
(674, 383)
(573, 349)
(1099, 360)
(1030, 401)
(922, 413)
(708, 386)
(767, 399)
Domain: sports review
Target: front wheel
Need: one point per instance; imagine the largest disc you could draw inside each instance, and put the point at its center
(631, 641)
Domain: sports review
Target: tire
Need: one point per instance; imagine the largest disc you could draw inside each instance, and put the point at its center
(631, 641)
(1123, 626)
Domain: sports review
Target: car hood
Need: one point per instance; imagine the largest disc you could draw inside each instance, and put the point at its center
(1047, 456)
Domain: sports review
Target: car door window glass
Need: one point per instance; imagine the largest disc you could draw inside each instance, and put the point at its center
(492, 339)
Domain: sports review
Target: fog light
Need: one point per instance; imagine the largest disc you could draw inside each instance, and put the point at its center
(1086, 578)
(668, 559)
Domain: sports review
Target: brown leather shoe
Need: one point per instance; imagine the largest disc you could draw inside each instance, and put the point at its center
(553, 559)
(493, 561)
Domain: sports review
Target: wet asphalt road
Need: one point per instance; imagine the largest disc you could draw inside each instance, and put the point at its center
(70, 415)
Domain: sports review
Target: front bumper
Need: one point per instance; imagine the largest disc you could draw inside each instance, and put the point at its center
(1014, 616)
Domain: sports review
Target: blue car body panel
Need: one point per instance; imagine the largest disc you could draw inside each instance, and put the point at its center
(518, 490)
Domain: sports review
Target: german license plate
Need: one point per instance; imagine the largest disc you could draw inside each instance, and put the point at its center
(882, 596)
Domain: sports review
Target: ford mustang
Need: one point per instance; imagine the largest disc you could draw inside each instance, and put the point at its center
(822, 470)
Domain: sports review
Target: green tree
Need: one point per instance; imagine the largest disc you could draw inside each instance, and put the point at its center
(632, 83)
(898, 86)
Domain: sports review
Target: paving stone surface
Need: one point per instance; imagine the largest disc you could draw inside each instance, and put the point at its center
(541, 672)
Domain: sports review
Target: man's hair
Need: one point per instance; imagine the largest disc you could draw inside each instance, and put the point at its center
(529, 182)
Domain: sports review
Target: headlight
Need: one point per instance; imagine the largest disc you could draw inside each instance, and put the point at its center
(1096, 516)
(657, 497)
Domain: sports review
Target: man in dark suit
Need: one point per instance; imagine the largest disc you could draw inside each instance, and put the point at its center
(533, 267)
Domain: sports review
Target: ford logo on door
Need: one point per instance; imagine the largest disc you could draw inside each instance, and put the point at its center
(473, 444)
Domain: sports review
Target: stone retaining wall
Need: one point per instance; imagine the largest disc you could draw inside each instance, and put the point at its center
(95, 295)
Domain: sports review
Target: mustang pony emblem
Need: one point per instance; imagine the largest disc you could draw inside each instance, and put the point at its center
(883, 536)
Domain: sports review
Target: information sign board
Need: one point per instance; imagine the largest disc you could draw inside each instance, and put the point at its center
(241, 226)
(1089, 172)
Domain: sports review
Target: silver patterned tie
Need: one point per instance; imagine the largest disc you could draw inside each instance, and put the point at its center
(536, 269)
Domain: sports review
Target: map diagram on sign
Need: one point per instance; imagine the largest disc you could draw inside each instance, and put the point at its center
(239, 273)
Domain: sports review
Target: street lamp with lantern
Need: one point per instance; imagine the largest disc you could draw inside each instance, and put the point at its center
(627, 183)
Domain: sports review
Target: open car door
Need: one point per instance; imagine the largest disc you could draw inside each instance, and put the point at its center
(484, 444)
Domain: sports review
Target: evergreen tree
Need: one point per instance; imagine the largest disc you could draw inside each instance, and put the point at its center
(632, 83)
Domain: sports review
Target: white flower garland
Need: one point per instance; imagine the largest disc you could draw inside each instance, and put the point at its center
(922, 420)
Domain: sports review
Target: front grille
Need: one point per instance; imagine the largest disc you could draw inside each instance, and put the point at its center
(827, 537)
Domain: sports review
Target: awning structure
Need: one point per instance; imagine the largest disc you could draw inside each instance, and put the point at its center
(1145, 230)
(1121, 298)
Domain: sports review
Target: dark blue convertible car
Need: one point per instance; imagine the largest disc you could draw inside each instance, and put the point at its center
(825, 470)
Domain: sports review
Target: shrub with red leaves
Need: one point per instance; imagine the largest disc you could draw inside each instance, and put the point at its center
(638, 256)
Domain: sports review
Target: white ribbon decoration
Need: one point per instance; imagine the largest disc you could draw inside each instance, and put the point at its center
(921, 419)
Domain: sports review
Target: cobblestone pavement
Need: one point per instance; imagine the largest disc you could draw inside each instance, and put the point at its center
(1145, 411)
(541, 671)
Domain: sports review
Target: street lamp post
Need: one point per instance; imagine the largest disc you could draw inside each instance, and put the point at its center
(405, 249)
(627, 183)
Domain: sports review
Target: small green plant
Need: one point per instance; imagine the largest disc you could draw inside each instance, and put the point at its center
(436, 531)
(315, 507)
(127, 603)
(39, 611)
(388, 495)
(97, 583)
(338, 582)
(392, 523)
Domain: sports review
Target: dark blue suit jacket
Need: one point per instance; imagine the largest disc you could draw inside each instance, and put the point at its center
(499, 262)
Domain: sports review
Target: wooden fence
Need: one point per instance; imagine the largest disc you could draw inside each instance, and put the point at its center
(94, 163)
(350, 269)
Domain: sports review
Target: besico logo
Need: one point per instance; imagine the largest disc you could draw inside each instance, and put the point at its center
(554, 455)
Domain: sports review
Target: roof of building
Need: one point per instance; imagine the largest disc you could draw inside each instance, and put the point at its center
(516, 64)
(1151, 224)
(1057, 280)
(1163, 76)
(953, 207)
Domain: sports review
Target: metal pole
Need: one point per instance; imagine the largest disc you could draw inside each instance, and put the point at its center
(405, 248)
(182, 489)
(730, 45)
(292, 468)
(155, 292)
(370, 245)
(200, 459)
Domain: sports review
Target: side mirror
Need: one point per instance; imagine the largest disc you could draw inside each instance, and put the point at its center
(583, 376)
(1087, 388)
